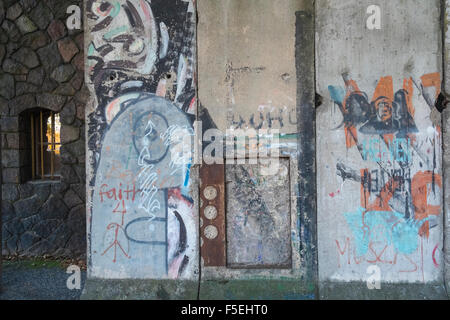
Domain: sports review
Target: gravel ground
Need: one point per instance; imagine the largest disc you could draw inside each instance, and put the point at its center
(27, 280)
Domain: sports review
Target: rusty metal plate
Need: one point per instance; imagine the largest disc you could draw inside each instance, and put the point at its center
(212, 215)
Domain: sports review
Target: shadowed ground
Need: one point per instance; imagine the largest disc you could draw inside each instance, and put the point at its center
(37, 280)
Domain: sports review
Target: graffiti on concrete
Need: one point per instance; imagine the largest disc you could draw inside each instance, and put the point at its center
(400, 187)
(142, 218)
(258, 217)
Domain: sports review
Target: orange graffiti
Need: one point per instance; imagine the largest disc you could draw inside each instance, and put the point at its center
(408, 87)
(419, 190)
(432, 80)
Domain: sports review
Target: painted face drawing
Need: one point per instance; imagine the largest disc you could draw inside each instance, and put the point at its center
(384, 109)
(125, 36)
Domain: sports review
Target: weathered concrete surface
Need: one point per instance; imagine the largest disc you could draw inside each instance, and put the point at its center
(247, 62)
(258, 217)
(446, 138)
(368, 79)
(142, 218)
(248, 79)
(256, 289)
(389, 291)
(142, 289)
(446, 164)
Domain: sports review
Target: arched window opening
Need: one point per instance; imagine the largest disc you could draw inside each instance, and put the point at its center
(45, 144)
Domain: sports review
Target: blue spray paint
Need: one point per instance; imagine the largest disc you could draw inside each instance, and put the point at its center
(389, 227)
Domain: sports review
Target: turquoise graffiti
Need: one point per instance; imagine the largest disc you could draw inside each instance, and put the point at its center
(389, 227)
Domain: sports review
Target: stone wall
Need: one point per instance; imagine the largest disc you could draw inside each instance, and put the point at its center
(42, 66)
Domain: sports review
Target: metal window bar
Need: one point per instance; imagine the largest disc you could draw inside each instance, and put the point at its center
(53, 146)
(42, 145)
(33, 151)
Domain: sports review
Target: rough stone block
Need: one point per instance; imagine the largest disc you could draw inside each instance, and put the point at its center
(69, 133)
(13, 67)
(63, 73)
(11, 30)
(10, 158)
(25, 25)
(14, 12)
(10, 192)
(11, 175)
(41, 15)
(9, 124)
(35, 40)
(27, 57)
(67, 48)
(7, 89)
(50, 101)
(56, 30)
(27, 207)
(71, 199)
(50, 57)
(36, 76)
